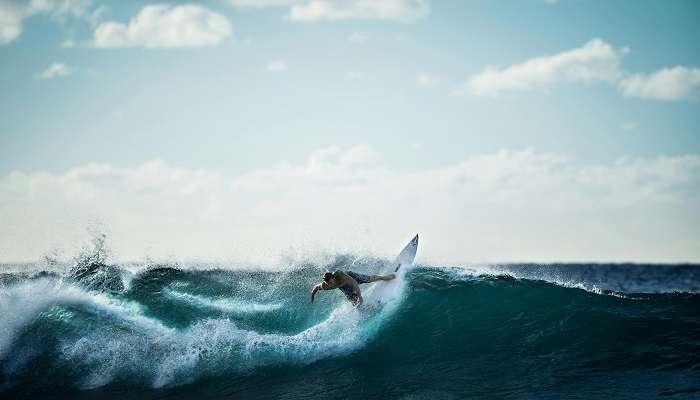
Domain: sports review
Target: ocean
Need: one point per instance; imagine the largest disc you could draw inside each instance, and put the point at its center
(94, 329)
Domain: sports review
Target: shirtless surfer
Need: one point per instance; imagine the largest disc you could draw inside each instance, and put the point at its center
(349, 283)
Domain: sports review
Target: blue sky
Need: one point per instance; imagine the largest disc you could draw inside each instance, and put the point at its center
(424, 86)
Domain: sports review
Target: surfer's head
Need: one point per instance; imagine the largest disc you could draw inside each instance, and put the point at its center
(327, 276)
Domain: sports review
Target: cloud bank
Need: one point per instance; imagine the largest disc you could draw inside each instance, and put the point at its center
(503, 206)
(164, 26)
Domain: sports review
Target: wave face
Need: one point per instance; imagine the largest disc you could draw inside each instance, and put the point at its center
(515, 331)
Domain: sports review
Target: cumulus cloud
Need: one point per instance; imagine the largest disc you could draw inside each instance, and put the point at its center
(165, 26)
(508, 205)
(14, 12)
(332, 10)
(278, 66)
(669, 84)
(55, 70)
(594, 61)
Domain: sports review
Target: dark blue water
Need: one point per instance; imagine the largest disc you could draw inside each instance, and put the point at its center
(515, 331)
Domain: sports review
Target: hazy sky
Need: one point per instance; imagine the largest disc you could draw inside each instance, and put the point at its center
(248, 129)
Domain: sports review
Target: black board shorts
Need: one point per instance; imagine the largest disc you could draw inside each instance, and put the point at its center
(360, 278)
(348, 290)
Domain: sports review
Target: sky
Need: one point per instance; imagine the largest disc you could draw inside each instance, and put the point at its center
(258, 130)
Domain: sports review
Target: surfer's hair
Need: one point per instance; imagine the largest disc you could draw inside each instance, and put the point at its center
(327, 276)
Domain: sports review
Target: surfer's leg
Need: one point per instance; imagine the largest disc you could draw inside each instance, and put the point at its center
(374, 278)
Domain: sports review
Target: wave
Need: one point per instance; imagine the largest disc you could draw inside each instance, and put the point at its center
(170, 327)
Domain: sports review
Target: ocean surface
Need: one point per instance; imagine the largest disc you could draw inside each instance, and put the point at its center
(94, 329)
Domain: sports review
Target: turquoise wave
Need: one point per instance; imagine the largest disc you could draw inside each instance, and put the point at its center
(524, 331)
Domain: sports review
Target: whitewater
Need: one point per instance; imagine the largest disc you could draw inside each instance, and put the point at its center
(94, 329)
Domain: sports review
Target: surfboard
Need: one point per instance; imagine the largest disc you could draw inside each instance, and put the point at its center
(407, 255)
(381, 293)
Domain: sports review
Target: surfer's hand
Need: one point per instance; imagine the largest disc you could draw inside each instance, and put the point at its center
(313, 292)
(360, 300)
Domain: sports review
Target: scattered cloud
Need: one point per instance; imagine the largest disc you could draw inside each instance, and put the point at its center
(427, 81)
(357, 38)
(55, 70)
(165, 26)
(594, 61)
(333, 10)
(278, 66)
(669, 84)
(97, 15)
(14, 12)
(506, 205)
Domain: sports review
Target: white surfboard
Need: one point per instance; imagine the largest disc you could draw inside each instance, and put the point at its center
(407, 255)
(383, 292)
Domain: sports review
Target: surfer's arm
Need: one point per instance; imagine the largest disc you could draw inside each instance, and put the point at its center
(320, 286)
(314, 290)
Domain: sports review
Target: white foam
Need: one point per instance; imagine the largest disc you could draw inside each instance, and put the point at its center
(20, 304)
(223, 304)
(208, 347)
(143, 347)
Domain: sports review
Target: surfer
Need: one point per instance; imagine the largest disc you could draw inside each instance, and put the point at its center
(349, 283)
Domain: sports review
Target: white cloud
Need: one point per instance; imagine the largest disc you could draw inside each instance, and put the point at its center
(14, 12)
(508, 205)
(97, 15)
(166, 26)
(357, 38)
(55, 70)
(677, 83)
(332, 10)
(427, 81)
(278, 66)
(594, 61)
(261, 3)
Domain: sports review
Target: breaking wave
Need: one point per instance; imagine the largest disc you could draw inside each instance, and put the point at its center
(504, 331)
